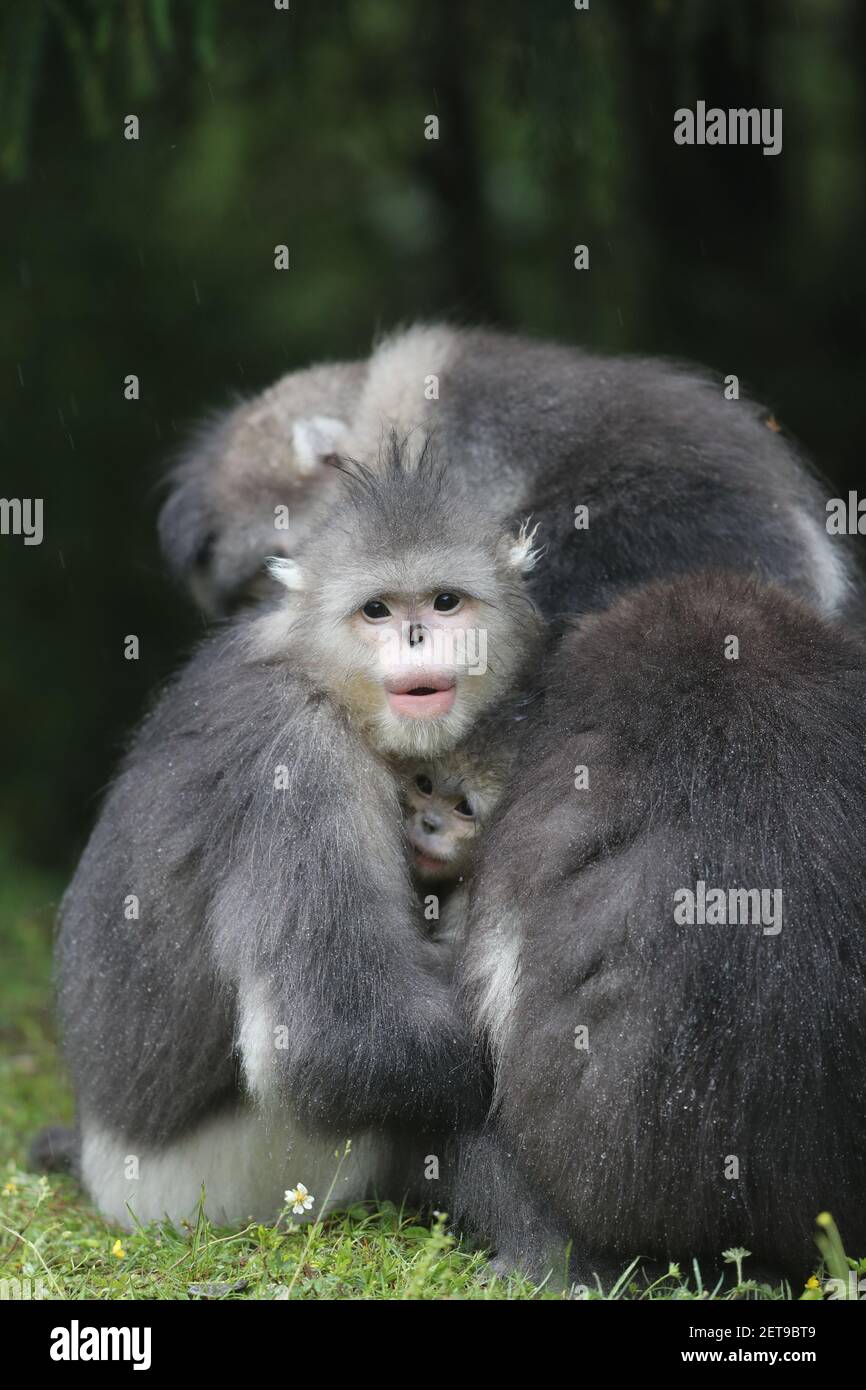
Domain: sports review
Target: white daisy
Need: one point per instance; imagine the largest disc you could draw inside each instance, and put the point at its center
(300, 1199)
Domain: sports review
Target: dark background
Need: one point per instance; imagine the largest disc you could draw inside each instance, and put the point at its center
(260, 127)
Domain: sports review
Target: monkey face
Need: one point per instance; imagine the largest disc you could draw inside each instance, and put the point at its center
(412, 661)
(406, 611)
(428, 658)
(446, 805)
(419, 666)
(442, 822)
(422, 653)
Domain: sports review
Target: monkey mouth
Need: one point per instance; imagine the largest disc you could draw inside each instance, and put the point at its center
(421, 694)
(429, 863)
(425, 859)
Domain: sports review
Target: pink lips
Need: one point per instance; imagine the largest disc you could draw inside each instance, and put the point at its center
(430, 864)
(421, 695)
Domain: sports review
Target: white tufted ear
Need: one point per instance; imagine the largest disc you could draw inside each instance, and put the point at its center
(286, 572)
(315, 439)
(522, 555)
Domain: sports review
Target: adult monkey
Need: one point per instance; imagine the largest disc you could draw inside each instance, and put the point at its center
(245, 979)
(673, 477)
(666, 953)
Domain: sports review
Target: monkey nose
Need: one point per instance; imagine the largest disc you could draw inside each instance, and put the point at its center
(431, 824)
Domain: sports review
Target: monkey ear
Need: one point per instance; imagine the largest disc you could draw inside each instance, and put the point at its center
(520, 553)
(316, 439)
(287, 572)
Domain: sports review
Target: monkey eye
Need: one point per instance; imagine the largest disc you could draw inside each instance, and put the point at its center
(463, 808)
(424, 785)
(375, 611)
(447, 603)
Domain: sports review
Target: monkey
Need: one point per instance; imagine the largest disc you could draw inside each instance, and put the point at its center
(244, 978)
(635, 468)
(447, 804)
(444, 813)
(252, 483)
(671, 1081)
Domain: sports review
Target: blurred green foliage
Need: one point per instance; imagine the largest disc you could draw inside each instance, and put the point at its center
(261, 126)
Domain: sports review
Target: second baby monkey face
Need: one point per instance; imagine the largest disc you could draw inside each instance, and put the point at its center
(447, 803)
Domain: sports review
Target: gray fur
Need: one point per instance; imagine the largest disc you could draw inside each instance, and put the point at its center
(704, 1041)
(266, 909)
(218, 524)
(299, 905)
(676, 477)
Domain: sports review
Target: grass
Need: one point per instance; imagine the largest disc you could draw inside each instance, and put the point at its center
(51, 1236)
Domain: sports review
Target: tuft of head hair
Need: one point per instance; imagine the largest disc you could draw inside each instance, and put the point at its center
(406, 503)
(398, 467)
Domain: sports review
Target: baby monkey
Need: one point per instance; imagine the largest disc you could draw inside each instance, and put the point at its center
(447, 804)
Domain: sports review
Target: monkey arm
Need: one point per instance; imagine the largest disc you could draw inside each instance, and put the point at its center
(147, 1039)
(344, 1014)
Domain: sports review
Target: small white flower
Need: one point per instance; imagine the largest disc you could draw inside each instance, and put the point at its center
(300, 1199)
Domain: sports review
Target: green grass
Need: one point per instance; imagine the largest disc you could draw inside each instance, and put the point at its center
(49, 1232)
